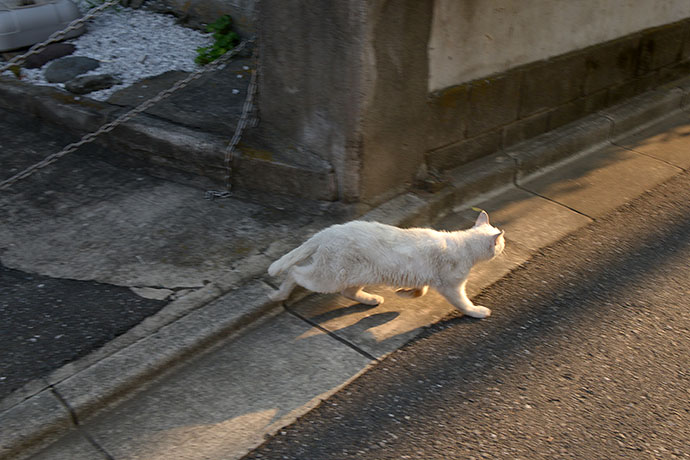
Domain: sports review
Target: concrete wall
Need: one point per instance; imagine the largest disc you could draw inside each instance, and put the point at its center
(391, 91)
(395, 113)
(312, 78)
(474, 38)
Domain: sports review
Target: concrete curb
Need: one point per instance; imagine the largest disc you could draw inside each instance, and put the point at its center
(45, 416)
(220, 311)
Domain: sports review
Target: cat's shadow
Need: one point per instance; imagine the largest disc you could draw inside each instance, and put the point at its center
(368, 322)
(344, 311)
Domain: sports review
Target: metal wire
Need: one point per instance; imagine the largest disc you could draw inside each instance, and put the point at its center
(90, 137)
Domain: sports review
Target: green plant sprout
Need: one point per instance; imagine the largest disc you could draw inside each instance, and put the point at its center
(226, 39)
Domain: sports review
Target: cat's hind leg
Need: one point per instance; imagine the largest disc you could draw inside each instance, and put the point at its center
(357, 293)
(285, 289)
(412, 292)
(457, 296)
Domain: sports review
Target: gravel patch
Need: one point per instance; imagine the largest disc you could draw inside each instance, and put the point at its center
(132, 44)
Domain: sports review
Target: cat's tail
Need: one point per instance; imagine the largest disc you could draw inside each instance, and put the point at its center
(293, 257)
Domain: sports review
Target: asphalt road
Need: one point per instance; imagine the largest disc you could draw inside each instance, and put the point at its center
(47, 322)
(586, 356)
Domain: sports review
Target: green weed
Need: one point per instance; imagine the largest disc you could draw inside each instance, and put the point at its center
(225, 40)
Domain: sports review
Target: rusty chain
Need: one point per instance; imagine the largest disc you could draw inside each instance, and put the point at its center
(229, 158)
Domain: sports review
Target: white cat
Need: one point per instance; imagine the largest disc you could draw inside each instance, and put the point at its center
(345, 258)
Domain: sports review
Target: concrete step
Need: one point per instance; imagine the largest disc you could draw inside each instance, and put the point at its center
(187, 132)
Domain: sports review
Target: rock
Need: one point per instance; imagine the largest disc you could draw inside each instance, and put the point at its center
(152, 293)
(66, 68)
(89, 83)
(49, 53)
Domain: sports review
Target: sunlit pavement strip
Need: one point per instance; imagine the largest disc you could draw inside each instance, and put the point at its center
(223, 404)
(602, 181)
(668, 141)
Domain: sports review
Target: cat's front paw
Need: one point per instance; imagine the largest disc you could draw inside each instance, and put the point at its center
(477, 311)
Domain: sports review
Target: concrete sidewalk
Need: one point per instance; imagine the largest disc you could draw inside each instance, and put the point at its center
(91, 247)
(148, 400)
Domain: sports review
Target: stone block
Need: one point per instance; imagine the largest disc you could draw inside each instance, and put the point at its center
(525, 128)
(673, 72)
(566, 113)
(212, 103)
(399, 211)
(642, 110)
(49, 53)
(66, 68)
(551, 83)
(275, 177)
(611, 63)
(394, 117)
(465, 151)
(577, 109)
(494, 102)
(661, 46)
(632, 88)
(159, 138)
(448, 110)
(473, 180)
(560, 143)
(685, 51)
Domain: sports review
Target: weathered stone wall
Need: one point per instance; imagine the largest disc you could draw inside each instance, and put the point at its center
(396, 114)
(355, 81)
(312, 78)
(482, 116)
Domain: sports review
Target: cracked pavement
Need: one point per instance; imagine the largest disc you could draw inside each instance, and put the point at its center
(93, 244)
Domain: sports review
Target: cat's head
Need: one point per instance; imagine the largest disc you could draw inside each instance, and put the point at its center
(492, 241)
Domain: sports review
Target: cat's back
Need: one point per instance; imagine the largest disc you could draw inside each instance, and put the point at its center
(359, 230)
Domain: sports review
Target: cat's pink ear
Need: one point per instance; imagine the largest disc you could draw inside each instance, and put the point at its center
(482, 219)
(496, 238)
